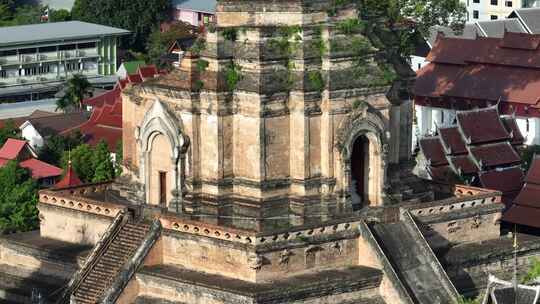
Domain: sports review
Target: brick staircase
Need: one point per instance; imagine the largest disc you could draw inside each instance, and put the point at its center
(123, 246)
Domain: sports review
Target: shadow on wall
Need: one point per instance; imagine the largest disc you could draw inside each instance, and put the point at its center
(46, 284)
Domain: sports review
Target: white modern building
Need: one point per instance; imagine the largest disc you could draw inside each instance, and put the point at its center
(38, 56)
(480, 10)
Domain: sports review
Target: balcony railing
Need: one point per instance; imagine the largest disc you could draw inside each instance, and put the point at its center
(48, 56)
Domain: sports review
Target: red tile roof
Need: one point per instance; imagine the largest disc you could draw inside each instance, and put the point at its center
(105, 122)
(495, 155)
(533, 175)
(433, 151)
(11, 148)
(441, 173)
(70, 179)
(522, 215)
(148, 71)
(488, 82)
(525, 209)
(452, 140)
(463, 164)
(465, 73)
(523, 41)
(433, 80)
(481, 126)
(505, 180)
(135, 78)
(40, 169)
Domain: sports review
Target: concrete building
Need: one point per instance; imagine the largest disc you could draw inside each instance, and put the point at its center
(194, 12)
(480, 10)
(38, 57)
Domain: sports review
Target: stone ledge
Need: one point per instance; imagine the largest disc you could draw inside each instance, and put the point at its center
(16, 284)
(299, 287)
(488, 251)
(32, 244)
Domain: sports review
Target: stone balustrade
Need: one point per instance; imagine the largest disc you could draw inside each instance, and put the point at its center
(252, 237)
(465, 197)
(72, 199)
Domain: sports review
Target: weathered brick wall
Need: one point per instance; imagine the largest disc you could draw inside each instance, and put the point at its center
(71, 225)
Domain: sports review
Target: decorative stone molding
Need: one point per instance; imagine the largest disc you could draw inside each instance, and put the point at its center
(285, 256)
(455, 204)
(255, 262)
(158, 120)
(364, 121)
(79, 204)
(477, 221)
(337, 247)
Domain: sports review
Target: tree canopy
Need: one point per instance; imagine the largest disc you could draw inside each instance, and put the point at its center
(19, 12)
(9, 130)
(139, 16)
(77, 89)
(18, 199)
(56, 145)
(92, 165)
(394, 28)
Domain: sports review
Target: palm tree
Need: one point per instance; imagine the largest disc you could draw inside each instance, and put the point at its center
(77, 88)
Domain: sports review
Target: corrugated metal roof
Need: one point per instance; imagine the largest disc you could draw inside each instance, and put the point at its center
(54, 31)
(531, 18)
(207, 6)
(496, 28)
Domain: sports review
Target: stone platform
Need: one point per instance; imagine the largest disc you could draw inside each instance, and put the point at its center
(336, 286)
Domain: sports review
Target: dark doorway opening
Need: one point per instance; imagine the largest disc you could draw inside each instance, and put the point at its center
(162, 188)
(360, 171)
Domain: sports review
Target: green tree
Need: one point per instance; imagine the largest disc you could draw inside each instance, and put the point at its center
(81, 161)
(534, 271)
(393, 28)
(92, 165)
(9, 130)
(104, 167)
(463, 300)
(56, 145)
(59, 15)
(138, 16)
(18, 199)
(77, 89)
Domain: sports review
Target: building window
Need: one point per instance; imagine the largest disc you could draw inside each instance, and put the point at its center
(72, 66)
(44, 69)
(475, 14)
(494, 17)
(508, 3)
(3, 74)
(476, 1)
(494, 2)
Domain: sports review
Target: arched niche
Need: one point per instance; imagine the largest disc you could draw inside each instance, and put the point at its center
(362, 144)
(160, 127)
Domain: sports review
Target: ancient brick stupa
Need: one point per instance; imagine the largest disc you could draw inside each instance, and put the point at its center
(256, 172)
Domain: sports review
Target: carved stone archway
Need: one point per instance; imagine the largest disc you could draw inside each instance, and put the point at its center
(159, 121)
(366, 122)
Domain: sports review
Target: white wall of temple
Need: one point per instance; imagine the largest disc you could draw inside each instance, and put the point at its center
(428, 118)
(418, 62)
